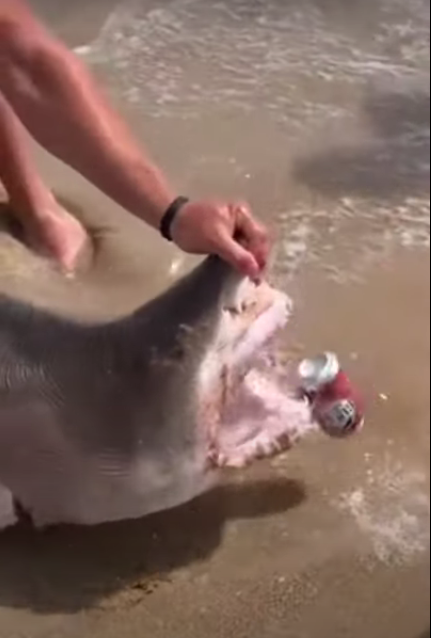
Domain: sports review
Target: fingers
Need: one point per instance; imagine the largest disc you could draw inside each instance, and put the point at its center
(248, 249)
(240, 258)
(229, 231)
(252, 234)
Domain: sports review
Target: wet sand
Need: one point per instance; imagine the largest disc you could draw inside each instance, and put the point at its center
(318, 112)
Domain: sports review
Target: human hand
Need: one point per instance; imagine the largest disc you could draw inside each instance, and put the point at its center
(227, 230)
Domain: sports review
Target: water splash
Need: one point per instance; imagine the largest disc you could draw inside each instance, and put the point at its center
(393, 511)
(189, 55)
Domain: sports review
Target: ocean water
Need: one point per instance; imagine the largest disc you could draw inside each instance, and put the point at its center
(318, 111)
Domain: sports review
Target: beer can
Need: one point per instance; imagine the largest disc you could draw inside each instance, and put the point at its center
(336, 404)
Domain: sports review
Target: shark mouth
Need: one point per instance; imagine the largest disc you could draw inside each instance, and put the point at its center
(248, 408)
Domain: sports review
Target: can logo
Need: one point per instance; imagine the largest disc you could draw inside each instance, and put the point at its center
(340, 417)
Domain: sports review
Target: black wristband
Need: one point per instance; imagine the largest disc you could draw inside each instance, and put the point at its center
(169, 217)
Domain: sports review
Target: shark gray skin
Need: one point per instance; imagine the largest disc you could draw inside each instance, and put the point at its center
(109, 420)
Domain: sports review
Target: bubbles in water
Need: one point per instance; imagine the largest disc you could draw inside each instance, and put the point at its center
(393, 510)
(194, 55)
(294, 69)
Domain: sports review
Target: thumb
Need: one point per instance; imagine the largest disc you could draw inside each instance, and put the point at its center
(238, 257)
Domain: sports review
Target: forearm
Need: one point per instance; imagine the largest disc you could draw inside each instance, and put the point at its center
(59, 103)
(17, 173)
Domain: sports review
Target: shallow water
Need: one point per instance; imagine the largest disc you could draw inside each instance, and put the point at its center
(317, 111)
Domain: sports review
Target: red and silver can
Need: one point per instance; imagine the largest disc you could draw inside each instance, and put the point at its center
(336, 404)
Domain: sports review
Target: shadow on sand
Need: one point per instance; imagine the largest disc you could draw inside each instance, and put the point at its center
(395, 163)
(70, 569)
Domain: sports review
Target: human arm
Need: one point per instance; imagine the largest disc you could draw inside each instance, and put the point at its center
(58, 101)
